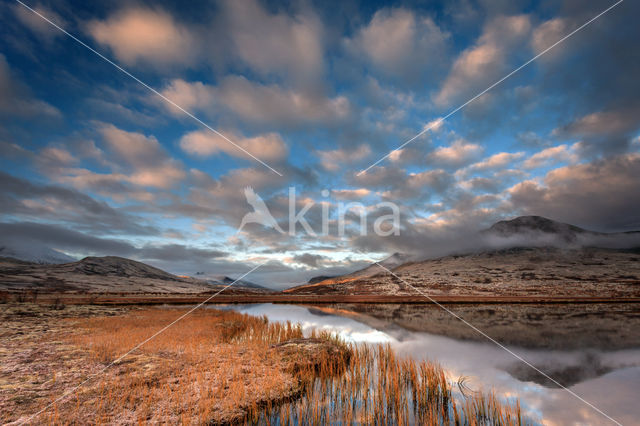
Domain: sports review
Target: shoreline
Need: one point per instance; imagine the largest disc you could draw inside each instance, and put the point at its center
(187, 299)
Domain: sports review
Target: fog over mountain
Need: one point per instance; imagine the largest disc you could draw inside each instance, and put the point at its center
(539, 235)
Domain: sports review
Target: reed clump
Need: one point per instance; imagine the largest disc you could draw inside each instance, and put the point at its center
(374, 386)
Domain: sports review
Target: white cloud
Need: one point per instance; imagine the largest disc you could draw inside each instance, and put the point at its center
(548, 33)
(459, 153)
(334, 159)
(597, 195)
(258, 103)
(350, 194)
(401, 44)
(553, 155)
(145, 35)
(276, 43)
(496, 161)
(148, 161)
(205, 143)
(190, 96)
(482, 64)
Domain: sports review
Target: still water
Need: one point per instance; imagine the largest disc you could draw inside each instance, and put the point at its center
(592, 350)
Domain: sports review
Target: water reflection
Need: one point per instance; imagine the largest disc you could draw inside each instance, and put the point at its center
(608, 379)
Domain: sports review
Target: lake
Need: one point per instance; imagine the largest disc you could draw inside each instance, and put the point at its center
(592, 349)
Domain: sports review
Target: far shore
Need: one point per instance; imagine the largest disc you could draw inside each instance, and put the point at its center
(155, 299)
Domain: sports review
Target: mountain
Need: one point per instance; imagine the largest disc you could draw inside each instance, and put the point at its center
(529, 255)
(390, 262)
(320, 278)
(34, 253)
(537, 224)
(114, 266)
(223, 280)
(109, 274)
(538, 231)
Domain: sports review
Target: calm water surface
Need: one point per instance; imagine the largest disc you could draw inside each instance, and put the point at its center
(603, 370)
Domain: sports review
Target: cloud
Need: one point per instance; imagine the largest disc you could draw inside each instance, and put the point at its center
(420, 186)
(261, 103)
(379, 177)
(276, 43)
(139, 35)
(177, 252)
(135, 164)
(350, 194)
(459, 153)
(548, 33)
(253, 102)
(65, 239)
(16, 99)
(496, 161)
(311, 260)
(25, 199)
(333, 160)
(482, 64)
(204, 143)
(607, 123)
(398, 184)
(402, 45)
(189, 95)
(39, 26)
(596, 195)
(149, 163)
(551, 156)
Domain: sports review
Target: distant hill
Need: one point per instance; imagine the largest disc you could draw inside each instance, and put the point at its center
(109, 274)
(320, 278)
(223, 280)
(390, 262)
(114, 266)
(527, 255)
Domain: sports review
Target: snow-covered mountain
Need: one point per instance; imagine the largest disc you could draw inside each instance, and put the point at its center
(224, 280)
(34, 253)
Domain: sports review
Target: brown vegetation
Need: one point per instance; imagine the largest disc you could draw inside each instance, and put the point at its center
(216, 367)
(379, 388)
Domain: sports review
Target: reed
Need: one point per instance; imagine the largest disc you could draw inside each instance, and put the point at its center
(224, 367)
(377, 387)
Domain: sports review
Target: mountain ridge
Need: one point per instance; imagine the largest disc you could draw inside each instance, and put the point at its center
(517, 240)
(106, 274)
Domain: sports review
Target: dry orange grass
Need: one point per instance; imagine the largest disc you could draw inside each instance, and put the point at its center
(220, 367)
(211, 366)
(376, 387)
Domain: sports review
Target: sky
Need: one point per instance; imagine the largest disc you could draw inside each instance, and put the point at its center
(302, 97)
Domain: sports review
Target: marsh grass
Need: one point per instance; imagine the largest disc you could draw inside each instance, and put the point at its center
(377, 387)
(217, 367)
(210, 367)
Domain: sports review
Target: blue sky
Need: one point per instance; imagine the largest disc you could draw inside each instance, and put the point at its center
(93, 163)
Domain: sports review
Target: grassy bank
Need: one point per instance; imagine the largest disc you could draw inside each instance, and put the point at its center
(216, 367)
